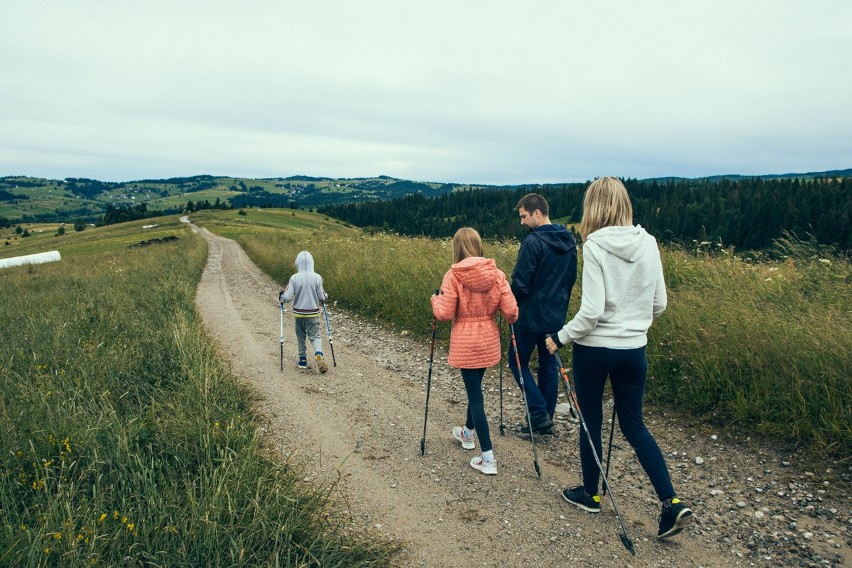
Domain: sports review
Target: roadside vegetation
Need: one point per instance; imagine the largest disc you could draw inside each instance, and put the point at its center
(124, 439)
(761, 343)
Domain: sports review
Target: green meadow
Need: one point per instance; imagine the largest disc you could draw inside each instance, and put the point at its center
(124, 439)
(761, 344)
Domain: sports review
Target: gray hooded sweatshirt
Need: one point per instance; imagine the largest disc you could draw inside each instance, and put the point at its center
(305, 288)
(623, 289)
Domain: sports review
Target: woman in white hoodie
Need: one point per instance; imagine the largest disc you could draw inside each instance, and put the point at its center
(623, 292)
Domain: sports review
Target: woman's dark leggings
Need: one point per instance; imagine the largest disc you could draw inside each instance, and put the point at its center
(627, 370)
(476, 406)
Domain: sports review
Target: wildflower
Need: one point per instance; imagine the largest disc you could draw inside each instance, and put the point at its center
(47, 550)
(102, 517)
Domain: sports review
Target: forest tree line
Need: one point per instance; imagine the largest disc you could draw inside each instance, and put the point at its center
(747, 213)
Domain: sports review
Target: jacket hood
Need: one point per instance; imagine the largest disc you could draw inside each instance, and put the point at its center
(556, 237)
(477, 273)
(305, 262)
(628, 243)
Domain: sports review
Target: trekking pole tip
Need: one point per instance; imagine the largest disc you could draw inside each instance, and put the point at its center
(628, 544)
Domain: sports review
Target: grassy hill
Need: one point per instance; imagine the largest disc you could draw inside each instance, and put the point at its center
(124, 438)
(28, 199)
(33, 199)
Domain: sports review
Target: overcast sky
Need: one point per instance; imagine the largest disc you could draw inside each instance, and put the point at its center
(458, 91)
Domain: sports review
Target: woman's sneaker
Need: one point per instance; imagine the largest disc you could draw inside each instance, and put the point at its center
(466, 441)
(578, 496)
(674, 519)
(486, 467)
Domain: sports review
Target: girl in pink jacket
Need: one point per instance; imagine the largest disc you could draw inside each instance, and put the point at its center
(471, 293)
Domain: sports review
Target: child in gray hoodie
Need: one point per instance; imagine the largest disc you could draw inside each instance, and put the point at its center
(307, 294)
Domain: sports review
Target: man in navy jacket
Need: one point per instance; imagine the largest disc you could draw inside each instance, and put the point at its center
(542, 280)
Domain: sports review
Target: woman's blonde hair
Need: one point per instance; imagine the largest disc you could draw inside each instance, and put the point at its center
(466, 242)
(605, 204)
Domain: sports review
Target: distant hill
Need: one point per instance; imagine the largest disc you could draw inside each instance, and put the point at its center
(24, 198)
(810, 175)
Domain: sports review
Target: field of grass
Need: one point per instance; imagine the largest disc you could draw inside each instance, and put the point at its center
(763, 346)
(124, 439)
(42, 200)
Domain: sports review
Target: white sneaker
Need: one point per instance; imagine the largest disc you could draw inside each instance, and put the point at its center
(486, 467)
(466, 442)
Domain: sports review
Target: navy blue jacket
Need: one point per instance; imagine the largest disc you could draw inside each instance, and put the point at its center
(543, 277)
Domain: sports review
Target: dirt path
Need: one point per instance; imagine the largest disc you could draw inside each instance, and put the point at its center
(363, 420)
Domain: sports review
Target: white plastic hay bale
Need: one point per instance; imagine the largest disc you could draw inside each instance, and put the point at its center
(38, 258)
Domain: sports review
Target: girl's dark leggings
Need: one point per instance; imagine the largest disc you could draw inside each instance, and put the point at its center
(476, 406)
(627, 370)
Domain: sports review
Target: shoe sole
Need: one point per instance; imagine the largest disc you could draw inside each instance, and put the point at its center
(586, 508)
(486, 472)
(323, 368)
(680, 523)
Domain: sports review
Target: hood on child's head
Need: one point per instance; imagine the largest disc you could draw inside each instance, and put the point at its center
(305, 262)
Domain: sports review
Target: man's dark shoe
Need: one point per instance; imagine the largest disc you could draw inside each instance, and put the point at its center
(578, 496)
(525, 430)
(542, 424)
(674, 519)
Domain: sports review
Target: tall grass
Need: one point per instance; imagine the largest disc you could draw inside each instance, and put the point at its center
(124, 440)
(762, 343)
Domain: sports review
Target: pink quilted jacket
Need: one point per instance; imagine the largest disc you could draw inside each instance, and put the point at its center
(471, 293)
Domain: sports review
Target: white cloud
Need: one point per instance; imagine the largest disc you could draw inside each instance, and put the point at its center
(446, 91)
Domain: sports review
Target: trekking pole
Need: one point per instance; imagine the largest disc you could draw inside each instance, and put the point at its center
(428, 384)
(281, 340)
(572, 397)
(609, 448)
(328, 331)
(500, 331)
(524, 393)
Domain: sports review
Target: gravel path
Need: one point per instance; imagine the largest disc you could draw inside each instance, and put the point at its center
(361, 424)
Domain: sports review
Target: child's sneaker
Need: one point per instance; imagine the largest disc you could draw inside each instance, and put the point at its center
(323, 367)
(466, 441)
(303, 363)
(674, 519)
(487, 467)
(578, 496)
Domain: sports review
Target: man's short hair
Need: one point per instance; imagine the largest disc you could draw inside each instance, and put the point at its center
(533, 201)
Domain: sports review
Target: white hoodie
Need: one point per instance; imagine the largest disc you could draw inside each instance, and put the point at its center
(623, 289)
(305, 288)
